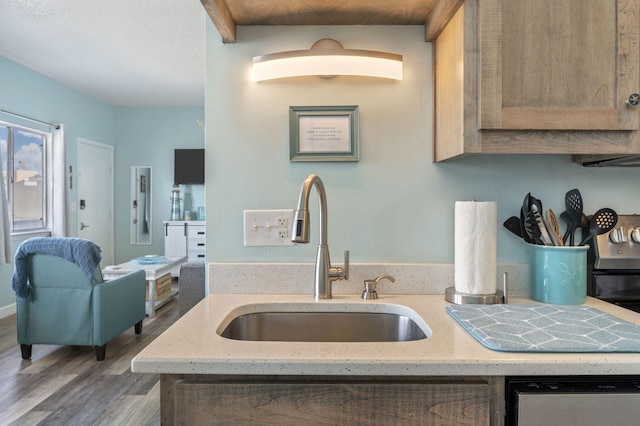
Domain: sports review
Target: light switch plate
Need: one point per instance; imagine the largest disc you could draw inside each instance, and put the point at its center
(268, 228)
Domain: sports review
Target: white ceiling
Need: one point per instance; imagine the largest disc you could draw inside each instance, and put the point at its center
(121, 52)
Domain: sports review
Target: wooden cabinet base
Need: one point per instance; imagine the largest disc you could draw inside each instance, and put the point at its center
(336, 400)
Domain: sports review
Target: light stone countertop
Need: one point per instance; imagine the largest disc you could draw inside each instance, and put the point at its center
(191, 345)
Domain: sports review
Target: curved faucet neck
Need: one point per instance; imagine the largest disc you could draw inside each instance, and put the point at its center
(325, 274)
(303, 202)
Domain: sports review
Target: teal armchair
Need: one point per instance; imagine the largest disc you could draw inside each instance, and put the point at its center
(65, 307)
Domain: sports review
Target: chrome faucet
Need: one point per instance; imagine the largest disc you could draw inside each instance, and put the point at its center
(325, 274)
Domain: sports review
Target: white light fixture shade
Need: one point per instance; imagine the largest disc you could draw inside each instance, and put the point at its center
(327, 61)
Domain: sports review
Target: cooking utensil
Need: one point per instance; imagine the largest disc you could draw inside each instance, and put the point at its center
(567, 220)
(536, 206)
(574, 206)
(523, 220)
(604, 220)
(583, 225)
(544, 234)
(554, 228)
(532, 229)
(513, 224)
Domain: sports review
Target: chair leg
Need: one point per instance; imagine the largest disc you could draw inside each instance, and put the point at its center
(101, 352)
(138, 327)
(26, 351)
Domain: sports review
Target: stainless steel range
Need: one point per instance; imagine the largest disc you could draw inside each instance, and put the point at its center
(614, 264)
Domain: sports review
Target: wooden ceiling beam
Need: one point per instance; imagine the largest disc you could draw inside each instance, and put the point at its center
(227, 14)
(441, 14)
(218, 11)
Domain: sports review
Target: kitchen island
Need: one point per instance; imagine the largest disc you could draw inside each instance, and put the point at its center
(449, 375)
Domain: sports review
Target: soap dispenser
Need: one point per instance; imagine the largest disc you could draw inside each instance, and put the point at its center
(369, 292)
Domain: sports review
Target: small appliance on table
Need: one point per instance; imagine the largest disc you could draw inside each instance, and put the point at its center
(156, 270)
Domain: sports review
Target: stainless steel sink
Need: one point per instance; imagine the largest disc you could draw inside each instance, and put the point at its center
(324, 327)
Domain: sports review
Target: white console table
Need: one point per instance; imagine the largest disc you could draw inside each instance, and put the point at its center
(152, 272)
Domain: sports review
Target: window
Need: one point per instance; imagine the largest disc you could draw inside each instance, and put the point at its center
(24, 163)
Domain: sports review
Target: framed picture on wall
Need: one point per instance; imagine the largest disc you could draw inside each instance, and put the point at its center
(324, 133)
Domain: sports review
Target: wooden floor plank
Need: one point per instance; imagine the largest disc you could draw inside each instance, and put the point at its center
(38, 394)
(134, 410)
(126, 343)
(31, 418)
(141, 384)
(66, 385)
(42, 364)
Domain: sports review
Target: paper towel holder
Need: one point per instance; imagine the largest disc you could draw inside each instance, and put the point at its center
(458, 298)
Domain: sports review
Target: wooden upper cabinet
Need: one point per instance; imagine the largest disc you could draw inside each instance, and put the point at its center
(558, 64)
(538, 77)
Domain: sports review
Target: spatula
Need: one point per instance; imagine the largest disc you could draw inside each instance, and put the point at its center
(513, 225)
(554, 228)
(604, 220)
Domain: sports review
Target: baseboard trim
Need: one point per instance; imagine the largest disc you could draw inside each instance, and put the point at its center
(5, 311)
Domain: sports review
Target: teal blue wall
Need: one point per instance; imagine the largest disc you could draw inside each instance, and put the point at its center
(147, 137)
(394, 205)
(141, 136)
(27, 92)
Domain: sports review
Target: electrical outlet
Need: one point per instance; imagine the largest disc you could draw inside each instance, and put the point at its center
(283, 234)
(267, 228)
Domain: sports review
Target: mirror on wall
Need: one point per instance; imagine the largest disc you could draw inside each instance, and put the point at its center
(141, 205)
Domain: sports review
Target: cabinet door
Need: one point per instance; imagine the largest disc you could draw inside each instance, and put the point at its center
(559, 64)
(175, 240)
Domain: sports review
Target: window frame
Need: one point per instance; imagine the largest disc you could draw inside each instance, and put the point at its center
(45, 225)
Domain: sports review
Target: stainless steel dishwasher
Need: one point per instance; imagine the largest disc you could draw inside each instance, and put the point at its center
(567, 401)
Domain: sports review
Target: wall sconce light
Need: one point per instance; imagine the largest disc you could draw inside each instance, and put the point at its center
(327, 58)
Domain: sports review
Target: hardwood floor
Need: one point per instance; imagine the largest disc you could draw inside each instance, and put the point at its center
(65, 385)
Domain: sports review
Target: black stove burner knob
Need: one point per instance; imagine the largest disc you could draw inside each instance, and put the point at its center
(619, 235)
(635, 234)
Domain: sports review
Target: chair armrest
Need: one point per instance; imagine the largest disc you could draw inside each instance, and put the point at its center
(118, 304)
(130, 277)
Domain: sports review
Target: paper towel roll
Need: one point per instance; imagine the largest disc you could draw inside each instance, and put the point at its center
(476, 235)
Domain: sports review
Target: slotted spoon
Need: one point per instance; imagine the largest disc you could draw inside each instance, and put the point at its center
(573, 205)
(604, 220)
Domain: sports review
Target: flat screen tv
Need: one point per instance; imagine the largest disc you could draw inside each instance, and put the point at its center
(188, 166)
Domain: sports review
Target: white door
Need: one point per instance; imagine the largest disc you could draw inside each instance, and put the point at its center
(95, 196)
